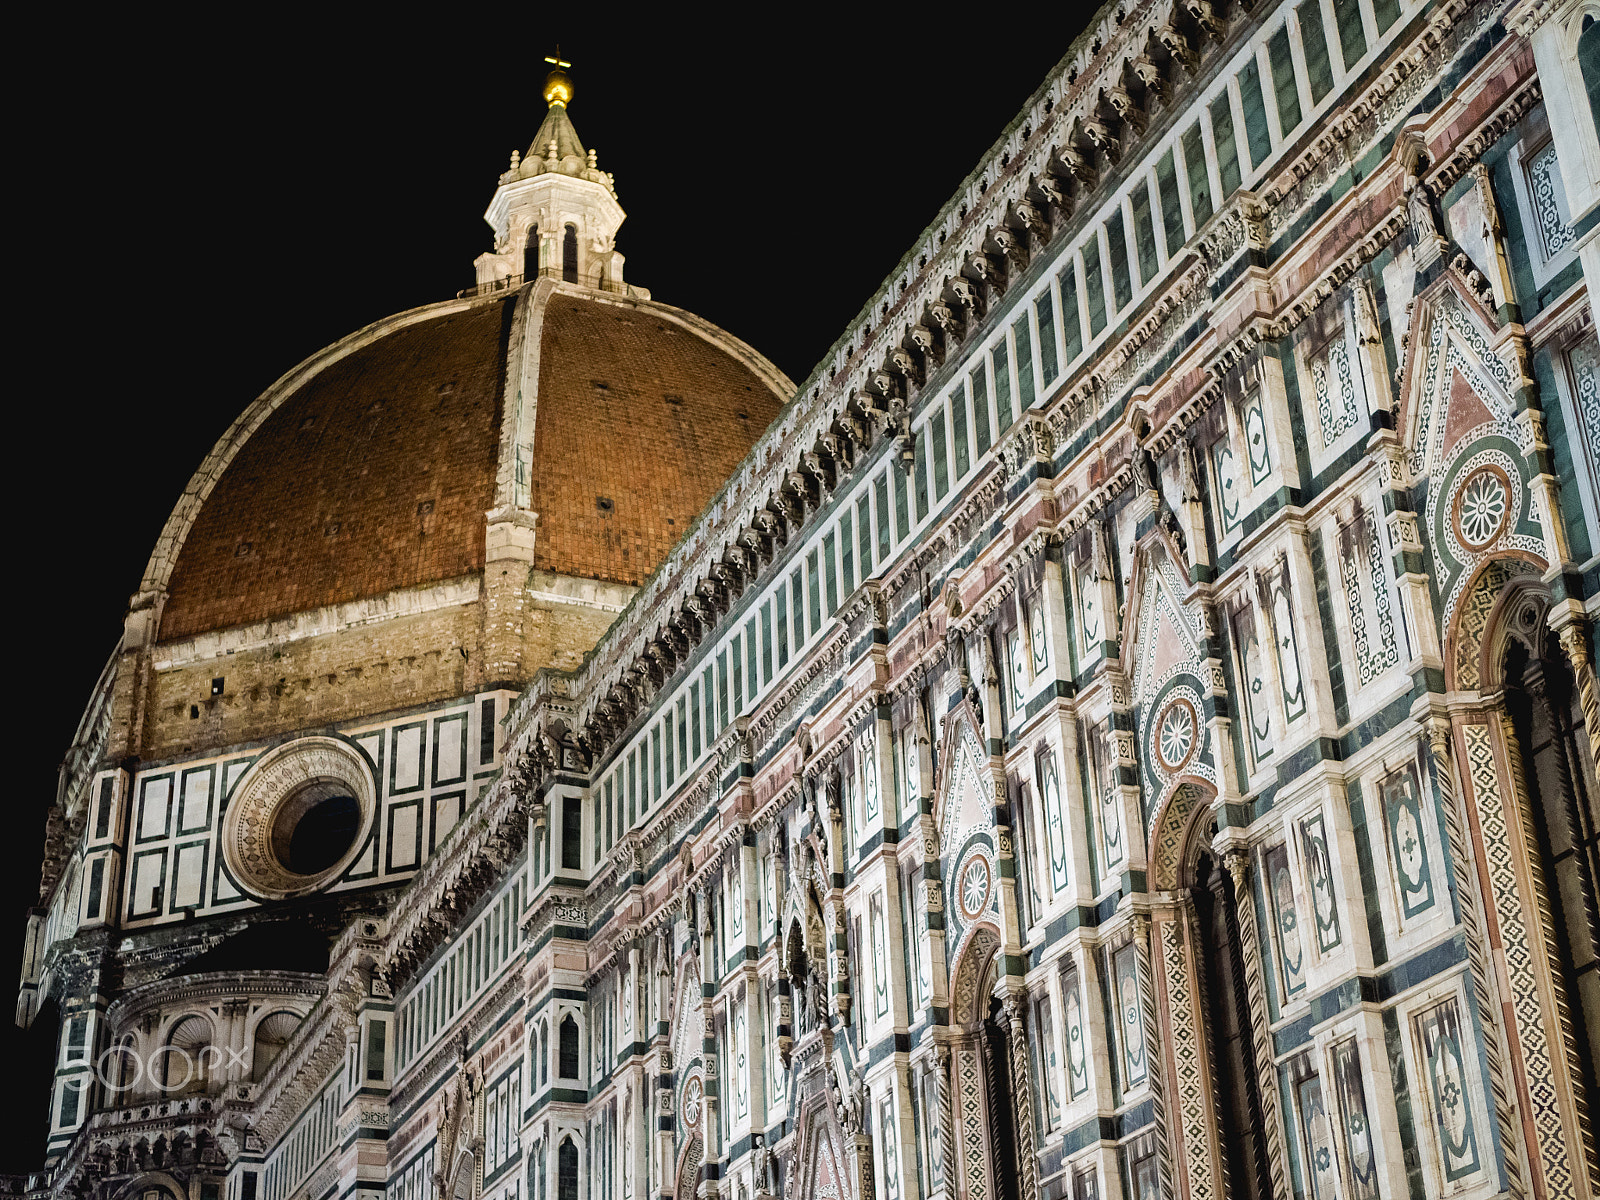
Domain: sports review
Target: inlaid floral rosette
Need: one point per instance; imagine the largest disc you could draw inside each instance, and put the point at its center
(1483, 505)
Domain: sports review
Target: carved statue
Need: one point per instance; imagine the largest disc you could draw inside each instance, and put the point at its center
(1099, 555)
(851, 1106)
(1144, 469)
(1367, 325)
(1419, 211)
(766, 1171)
(1188, 472)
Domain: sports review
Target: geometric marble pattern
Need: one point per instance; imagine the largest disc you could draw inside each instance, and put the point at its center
(1189, 1080)
(1532, 1031)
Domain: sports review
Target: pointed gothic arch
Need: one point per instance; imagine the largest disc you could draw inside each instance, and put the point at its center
(1529, 797)
(1478, 627)
(687, 1176)
(1198, 953)
(987, 1111)
(973, 971)
(1177, 831)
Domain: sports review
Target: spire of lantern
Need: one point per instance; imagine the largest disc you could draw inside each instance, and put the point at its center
(555, 212)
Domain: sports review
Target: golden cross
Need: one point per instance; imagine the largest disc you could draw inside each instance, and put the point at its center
(558, 60)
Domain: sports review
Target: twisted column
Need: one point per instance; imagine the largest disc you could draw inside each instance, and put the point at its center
(1011, 1015)
(1238, 864)
(947, 1120)
(1577, 649)
(1488, 1012)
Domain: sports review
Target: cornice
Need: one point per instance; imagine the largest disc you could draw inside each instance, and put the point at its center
(1011, 199)
(213, 985)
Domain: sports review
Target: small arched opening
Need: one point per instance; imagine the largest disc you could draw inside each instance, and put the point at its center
(272, 1035)
(569, 254)
(121, 1070)
(568, 1033)
(186, 1058)
(530, 253)
(567, 1170)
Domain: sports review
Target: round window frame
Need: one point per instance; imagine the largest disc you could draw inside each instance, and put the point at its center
(692, 1124)
(1173, 705)
(976, 858)
(1489, 468)
(273, 782)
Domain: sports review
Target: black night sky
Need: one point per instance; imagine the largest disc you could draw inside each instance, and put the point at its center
(210, 204)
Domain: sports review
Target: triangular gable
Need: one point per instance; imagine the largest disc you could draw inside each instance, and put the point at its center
(1455, 386)
(821, 1173)
(1162, 636)
(964, 799)
(690, 1027)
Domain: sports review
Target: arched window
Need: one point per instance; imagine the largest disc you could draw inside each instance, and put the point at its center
(1589, 65)
(569, 1047)
(1227, 1013)
(530, 253)
(544, 1054)
(569, 254)
(186, 1058)
(567, 1168)
(272, 1035)
(1552, 749)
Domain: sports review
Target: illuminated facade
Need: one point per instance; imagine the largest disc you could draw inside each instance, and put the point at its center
(1125, 729)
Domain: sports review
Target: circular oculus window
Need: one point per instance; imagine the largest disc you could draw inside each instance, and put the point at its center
(1482, 506)
(298, 818)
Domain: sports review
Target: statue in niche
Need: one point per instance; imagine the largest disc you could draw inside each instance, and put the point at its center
(1427, 242)
(1144, 469)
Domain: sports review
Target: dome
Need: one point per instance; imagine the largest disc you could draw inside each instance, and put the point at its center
(642, 419)
(372, 466)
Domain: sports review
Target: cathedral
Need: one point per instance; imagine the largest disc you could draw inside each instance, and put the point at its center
(1123, 728)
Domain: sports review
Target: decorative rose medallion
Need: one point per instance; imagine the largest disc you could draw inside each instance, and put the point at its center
(694, 1094)
(975, 883)
(1482, 507)
(1176, 734)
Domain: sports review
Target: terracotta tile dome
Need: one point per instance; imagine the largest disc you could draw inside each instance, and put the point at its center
(641, 420)
(376, 470)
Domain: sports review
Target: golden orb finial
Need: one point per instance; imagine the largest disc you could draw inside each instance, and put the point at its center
(557, 86)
